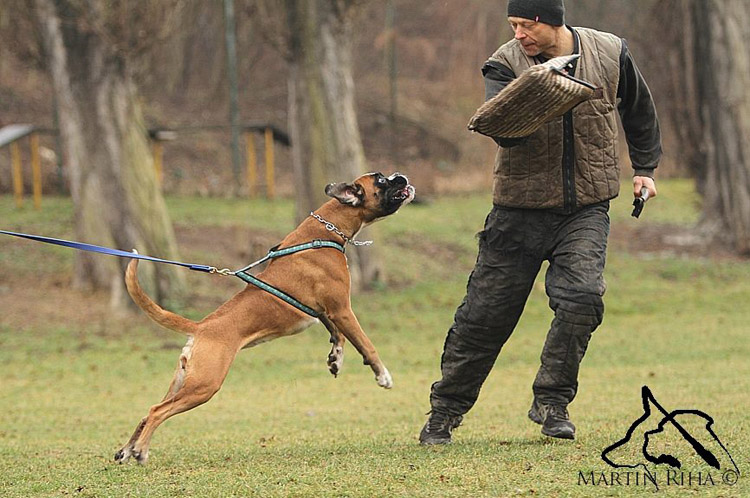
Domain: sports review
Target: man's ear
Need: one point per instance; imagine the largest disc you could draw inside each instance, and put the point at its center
(352, 195)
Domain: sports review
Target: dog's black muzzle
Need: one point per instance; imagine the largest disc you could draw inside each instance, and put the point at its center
(397, 191)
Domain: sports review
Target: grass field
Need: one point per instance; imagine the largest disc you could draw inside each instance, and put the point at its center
(76, 379)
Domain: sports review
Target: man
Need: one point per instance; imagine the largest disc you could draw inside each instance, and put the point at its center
(551, 197)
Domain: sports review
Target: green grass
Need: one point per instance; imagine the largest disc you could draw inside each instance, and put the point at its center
(282, 426)
(226, 212)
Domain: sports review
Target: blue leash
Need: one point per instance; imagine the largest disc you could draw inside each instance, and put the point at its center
(241, 274)
(105, 250)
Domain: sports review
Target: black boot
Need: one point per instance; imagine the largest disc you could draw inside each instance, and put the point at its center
(438, 428)
(554, 420)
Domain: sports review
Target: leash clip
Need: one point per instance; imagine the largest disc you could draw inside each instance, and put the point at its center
(224, 272)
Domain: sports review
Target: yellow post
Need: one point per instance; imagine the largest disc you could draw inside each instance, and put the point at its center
(158, 151)
(15, 154)
(36, 170)
(252, 164)
(270, 188)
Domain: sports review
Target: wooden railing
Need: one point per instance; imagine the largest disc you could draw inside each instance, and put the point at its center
(10, 136)
(271, 135)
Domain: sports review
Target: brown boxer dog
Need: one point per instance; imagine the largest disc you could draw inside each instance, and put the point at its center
(318, 278)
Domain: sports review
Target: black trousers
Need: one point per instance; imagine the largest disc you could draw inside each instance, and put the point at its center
(512, 247)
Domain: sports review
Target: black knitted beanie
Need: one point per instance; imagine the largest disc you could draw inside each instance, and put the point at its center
(546, 11)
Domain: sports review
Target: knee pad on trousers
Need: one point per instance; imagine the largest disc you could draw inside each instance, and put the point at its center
(588, 314)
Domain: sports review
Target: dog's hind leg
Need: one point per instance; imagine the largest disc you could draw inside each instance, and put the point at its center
(199, 376)
(336, 356)
(177, 381)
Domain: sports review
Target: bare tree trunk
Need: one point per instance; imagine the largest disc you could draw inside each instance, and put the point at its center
(710, 110)
(725, 113)
(680, 80)
(322, 115)
(109, 164)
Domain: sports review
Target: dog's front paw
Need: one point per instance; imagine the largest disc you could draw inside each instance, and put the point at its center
(128, 451)
(335, 360)
(384, 379)
(124, 454)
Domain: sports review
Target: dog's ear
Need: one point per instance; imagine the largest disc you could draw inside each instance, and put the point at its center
(351, 195)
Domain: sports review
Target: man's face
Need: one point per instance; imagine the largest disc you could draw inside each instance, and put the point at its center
(535, 37)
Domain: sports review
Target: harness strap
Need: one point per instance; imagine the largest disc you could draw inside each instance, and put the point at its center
(274, 253)
(315, 244)
(277, 253)
(276, 292)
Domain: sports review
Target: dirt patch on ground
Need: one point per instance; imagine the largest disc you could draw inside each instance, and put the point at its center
(29, 301)
(441, 252)
(668, 240)
(233, 246)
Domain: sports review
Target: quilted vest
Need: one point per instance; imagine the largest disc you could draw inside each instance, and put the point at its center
(531, 175)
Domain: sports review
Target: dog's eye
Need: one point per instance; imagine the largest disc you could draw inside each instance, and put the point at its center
(381, 181)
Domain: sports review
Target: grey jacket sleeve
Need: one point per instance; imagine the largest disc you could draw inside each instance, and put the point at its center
(496, 77)
(638, 115)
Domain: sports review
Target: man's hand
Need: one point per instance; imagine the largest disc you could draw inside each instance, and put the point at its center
(643, 181)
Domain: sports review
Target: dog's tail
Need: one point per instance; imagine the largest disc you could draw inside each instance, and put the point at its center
(158, 314)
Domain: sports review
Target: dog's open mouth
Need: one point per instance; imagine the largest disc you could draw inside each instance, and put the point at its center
(404, 195)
